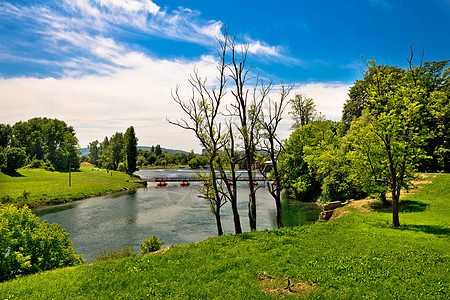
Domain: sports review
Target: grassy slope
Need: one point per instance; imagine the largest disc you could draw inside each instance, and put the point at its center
(354, 257)
(53, 187)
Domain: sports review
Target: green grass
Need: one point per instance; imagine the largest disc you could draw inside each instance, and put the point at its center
(38, 186)
(357, 256)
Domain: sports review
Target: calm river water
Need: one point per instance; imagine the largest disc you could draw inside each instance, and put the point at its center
(174, 213)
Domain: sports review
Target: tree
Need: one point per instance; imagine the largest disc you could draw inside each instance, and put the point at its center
(13, 159)
(202, 110)
(358, 97)
(157, 150)
(247, 109)
(303, 110)
(94, 152)
(27, 246)
(49, 139)
(130, 144)
(113, 153)
(389, 136)
(272, 146)
(5, 135)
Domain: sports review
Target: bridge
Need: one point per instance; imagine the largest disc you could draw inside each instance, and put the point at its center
(192, 178)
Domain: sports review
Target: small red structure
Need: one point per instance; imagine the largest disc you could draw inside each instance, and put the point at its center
(185, 183)
(255, 182)
(161, 183)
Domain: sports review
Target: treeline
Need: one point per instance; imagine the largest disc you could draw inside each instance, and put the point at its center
(119, 152)
(395, 123)
(155, 156)
(38, 142)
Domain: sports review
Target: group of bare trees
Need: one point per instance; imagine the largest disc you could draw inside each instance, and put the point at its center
(243, 121)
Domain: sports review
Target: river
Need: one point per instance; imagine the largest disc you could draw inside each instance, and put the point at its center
(174, 213)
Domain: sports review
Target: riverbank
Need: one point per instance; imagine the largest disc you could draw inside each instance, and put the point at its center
(353, 257)
(36, 187)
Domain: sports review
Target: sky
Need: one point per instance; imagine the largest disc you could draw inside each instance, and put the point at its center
(105, 65)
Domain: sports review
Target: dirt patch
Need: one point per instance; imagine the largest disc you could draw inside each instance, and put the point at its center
(283, 287)
(363, 204)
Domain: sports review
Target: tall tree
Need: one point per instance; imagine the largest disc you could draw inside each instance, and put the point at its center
(94, 152)
(273, 146)
(202, 110)
(389, 137)
(130, 144)
(303, 110)
(247, 109)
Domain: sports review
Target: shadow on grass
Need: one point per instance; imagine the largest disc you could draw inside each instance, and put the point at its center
(433, 229)
(13, 174)
(406, 206)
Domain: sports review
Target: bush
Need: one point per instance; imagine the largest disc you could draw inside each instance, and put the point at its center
(121, 167)
(27, 246)
(108, 254)
(151, 245)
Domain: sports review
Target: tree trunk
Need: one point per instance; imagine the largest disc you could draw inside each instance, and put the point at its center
(252, 196)
(218, 221)
(395, 209)
(236, 219)
(279, 215)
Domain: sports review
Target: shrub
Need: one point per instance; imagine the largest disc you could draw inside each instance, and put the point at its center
(27, 246)
(108, 254)
(151, 245)
(121, 167)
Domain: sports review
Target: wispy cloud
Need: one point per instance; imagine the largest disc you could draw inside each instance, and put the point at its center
(91, 29)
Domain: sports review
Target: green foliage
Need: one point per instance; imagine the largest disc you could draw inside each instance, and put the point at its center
(303, 110)
(13, 159)
(130, 145)
(121, 167)
(49, 139)
(112, 254)
(27, 246)
(151, 245)
(198, 162)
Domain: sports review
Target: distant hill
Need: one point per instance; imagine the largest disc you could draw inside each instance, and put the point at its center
(85, 151)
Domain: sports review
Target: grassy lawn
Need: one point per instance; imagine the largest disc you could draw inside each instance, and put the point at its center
(38, 186)
(357, 256)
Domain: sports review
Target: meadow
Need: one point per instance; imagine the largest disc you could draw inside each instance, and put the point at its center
(356, 256)
(37, 186)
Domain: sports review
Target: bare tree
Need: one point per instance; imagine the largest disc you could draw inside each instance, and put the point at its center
(247, 108)
(230, 180)
(272, 145)
(202, 109)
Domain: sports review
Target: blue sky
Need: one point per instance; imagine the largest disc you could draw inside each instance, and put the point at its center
(103, 65)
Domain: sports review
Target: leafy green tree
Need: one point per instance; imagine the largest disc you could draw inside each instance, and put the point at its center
(13, 159)
(113, 153)
(5, 135)
(130, 144)
(358, 95)
(49, 139)
(303, 110)
(158, 150)
(27, 246)
(94, 152)
(388, 139)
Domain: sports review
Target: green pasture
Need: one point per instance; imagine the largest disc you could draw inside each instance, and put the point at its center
(38, 186)
(357, 256)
